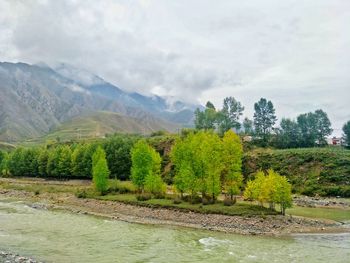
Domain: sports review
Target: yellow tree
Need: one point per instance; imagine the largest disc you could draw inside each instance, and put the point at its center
(283, 194)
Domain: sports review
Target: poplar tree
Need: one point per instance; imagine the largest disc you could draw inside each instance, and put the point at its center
(100, 171)
(146, 165)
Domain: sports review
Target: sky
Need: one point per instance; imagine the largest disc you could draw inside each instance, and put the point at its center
(295, 53)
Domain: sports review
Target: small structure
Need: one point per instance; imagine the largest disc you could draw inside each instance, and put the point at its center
(335, 141)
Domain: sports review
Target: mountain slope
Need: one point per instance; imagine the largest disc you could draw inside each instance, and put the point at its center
(165, 107)
(36, 99)
(98, 124)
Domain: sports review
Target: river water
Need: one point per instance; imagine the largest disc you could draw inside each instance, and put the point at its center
(56, 236)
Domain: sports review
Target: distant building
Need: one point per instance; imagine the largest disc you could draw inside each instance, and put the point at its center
(335, 141)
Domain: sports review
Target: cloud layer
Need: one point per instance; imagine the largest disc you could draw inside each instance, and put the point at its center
(296, 53)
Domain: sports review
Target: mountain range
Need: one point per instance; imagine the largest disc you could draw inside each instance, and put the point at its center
(37, 99)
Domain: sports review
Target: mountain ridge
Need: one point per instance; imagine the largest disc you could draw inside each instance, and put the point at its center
(35, 99)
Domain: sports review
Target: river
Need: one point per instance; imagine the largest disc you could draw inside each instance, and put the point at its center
(57, 236)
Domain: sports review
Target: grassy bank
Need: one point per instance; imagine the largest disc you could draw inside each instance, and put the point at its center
(322, 171)
(241, 208)
(85, 191)
(324, 213)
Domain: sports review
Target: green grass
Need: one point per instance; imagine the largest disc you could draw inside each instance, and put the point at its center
(311, 171)
(239, 209)
(42, 188)
(322, 213)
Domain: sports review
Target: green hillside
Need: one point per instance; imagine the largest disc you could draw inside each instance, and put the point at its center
(324, 171)
(99, 124)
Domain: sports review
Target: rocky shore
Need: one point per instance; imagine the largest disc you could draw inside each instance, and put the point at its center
(307, 201)
(257, 225)
(6, 257)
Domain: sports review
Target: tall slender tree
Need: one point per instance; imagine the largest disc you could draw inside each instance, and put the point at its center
(228, 117)
(264, 118)
(100, 171)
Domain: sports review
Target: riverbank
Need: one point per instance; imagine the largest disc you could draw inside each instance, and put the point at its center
(254, 225)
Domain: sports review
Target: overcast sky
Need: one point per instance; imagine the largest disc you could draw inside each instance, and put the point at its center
(295, 53)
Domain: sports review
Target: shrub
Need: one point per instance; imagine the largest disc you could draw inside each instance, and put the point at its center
(229, 201)
(177, 201)
(143, 197)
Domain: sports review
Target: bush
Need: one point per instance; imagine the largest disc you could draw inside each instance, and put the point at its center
(121, 187)
(143, 197)
(207, 201)
(229, 201)
(113, 186)
(177, 201)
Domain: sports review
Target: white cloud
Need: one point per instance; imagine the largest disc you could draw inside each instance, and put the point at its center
(296, 53)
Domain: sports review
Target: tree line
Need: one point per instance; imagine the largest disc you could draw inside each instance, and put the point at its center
(307, 130)
(69, 160)
(205, 164)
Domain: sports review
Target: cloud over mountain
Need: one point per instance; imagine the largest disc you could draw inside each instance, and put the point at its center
(296, 53)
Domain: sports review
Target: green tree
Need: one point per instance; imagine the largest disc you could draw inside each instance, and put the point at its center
(206, 119)
(228, 117)
(307, 126)
(232, 162)
(182, 158)
(52, 162)
(198, 164)
(346, 133)
(42, 162)
(248, 126)
(78, 164)
(211, 154)
(153, 181)
(314, 128)
(100, 171)
(30, 162)
(323, 127)
(145, 162)
(118, 155)
(4, 157)
(64, 165)
(16, 163)
(288, 136)
(87, 160)
(264, 119)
